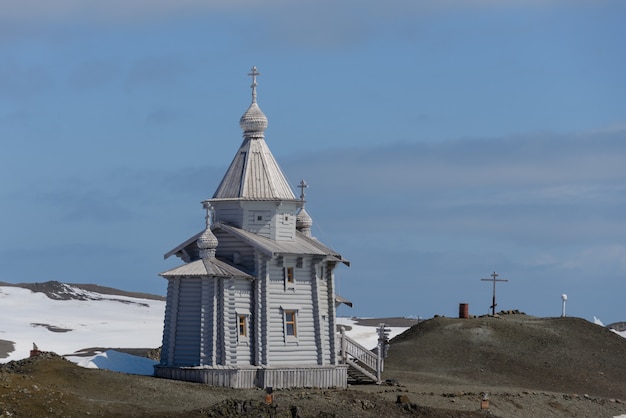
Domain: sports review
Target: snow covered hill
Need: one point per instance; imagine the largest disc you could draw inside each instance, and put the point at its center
(67, 319)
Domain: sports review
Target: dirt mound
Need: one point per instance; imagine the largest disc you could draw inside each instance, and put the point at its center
(568, 355)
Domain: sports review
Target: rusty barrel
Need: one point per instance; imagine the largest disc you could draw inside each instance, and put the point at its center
(463, 310)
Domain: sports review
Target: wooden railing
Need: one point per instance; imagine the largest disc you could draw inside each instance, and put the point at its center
(365, 361)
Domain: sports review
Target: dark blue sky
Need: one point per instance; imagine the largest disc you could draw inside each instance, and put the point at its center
(441, 141)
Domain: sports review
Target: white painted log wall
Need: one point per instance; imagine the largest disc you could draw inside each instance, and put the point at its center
(304, 349)
(208, 326)
(228, 245)
(169, 321)
(228, 212)
(187, 340)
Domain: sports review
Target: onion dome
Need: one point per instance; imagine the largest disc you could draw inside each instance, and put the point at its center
(207, 243)
(253, 122)
(304, 222)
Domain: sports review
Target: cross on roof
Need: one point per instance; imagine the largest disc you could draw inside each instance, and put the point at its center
(494, 279)
(209, 214)
(302, 186)
(253, 73)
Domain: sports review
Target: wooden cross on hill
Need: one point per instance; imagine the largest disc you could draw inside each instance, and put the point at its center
(494, 280)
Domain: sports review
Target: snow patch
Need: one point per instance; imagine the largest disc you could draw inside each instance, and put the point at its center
(117, 362)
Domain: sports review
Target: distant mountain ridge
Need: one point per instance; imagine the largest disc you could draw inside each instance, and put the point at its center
(76, 291)
(617, 326)
(65, 318)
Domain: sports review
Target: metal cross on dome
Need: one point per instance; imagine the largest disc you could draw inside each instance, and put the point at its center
(302, 186)
(254, 73)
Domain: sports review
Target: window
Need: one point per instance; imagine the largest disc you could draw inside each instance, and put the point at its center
(289, 275)
(290, 323)
(242, 325)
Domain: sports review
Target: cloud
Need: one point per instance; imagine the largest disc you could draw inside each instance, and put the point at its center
(598, 260)
(141, 9)
(532, 190)
(118, 10)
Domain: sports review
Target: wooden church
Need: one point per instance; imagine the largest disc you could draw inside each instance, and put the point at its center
(254, 304)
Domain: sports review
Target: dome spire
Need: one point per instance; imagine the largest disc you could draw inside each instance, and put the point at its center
(253, 122)
(253, 73)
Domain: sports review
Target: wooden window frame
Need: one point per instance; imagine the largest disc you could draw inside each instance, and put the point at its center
(242, 333)
(293, 322)
(290, 277)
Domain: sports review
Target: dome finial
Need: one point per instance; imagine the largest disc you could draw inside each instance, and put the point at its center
(253, 122)
(253, 73)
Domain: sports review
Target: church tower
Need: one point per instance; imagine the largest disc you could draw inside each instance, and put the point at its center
(254, 303)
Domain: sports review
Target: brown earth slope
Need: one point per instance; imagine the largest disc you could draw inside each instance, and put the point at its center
(513, 354)
(530, 367)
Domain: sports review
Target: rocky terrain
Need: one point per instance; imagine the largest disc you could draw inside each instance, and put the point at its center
(525, 366)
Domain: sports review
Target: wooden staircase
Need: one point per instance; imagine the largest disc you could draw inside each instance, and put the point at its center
(364, 366)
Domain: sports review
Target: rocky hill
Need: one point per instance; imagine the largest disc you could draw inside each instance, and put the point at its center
(528, 367)
(513, 354)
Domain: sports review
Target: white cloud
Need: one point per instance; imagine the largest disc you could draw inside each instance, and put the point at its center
(611, 257)
(303, 12)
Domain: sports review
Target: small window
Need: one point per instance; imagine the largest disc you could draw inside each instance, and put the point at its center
(242, 325)
(290, 323)
(289, 275)
(259, 217)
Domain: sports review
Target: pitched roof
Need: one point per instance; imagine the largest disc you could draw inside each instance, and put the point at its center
(206, 267)
(254, 174)
(300, 245)
(182, 245)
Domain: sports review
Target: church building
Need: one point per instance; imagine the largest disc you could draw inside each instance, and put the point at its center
(254, 303)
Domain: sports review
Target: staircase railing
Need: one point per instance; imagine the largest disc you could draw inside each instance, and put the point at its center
(362, 359)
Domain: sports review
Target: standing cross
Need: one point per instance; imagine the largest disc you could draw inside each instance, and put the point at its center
(253, 73)
(209, 214)
(302, 186)
(494, 280)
